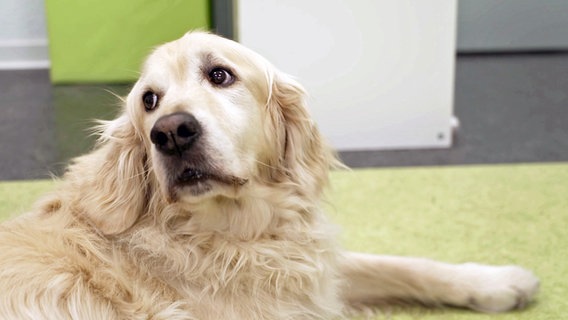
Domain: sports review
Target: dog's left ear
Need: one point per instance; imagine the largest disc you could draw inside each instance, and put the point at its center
(110, 182)
(305, 157)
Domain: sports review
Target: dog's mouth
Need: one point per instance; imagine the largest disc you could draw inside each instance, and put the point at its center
(195, 176)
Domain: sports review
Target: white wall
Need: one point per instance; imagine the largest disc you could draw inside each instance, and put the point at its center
(380, 72)
(23, 35)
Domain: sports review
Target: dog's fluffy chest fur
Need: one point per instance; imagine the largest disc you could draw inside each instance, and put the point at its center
(237, 271)
(178, 273)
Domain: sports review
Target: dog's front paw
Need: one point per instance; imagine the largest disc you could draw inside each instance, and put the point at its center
(498, 289)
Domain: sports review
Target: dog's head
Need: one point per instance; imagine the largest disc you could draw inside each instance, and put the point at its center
(214, 119)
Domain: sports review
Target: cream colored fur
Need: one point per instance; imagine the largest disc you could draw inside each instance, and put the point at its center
(118, 240)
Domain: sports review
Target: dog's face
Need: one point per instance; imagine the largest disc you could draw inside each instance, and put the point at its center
(201, 108)
(208, 119)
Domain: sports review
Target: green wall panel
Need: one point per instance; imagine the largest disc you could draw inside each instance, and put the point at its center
(107, 40)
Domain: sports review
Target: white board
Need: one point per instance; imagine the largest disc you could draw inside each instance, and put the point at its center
(380, 73)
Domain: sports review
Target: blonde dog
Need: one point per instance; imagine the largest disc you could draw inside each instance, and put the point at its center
(202, 201)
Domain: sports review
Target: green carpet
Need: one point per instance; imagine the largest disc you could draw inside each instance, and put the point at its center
(513, 214)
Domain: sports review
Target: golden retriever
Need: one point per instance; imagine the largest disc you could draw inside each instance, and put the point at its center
(202, 201)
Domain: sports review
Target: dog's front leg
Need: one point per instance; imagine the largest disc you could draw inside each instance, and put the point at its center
(373, 278)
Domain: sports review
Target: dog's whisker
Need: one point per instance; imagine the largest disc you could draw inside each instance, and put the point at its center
(116, 95)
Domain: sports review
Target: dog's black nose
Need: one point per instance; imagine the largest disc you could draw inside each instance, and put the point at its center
(175, 133)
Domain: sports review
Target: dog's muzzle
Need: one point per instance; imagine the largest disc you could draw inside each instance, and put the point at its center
(176, 138)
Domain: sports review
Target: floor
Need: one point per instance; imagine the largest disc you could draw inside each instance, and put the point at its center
(511, 108)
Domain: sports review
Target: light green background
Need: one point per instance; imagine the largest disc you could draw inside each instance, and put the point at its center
(106, 41)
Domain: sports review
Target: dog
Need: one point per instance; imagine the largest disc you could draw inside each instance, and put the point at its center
(202, 200)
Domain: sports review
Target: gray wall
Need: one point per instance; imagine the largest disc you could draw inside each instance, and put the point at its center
(512, 25)
(23, 35)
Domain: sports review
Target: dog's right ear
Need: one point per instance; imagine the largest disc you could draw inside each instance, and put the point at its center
(110, 184)
(303, 155)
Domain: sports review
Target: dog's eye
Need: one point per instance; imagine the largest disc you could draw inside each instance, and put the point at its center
(150, 100)
(221, 77)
